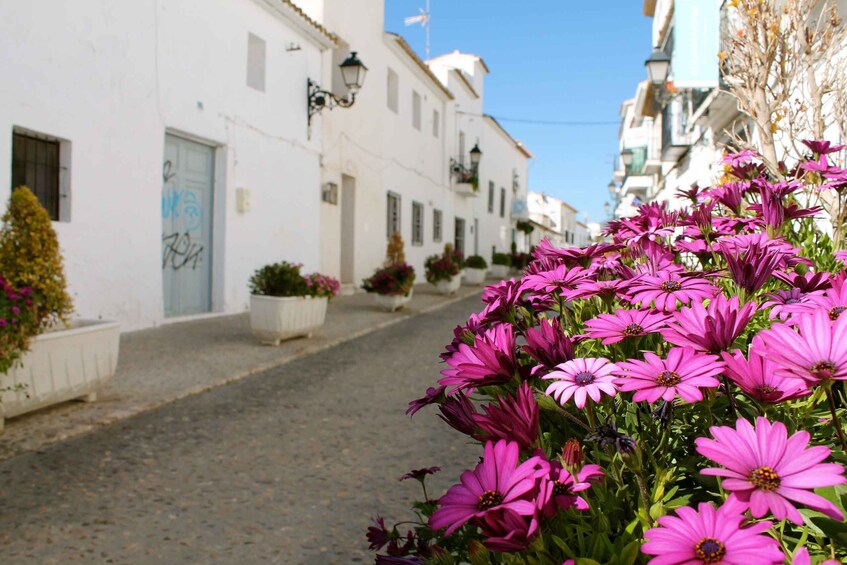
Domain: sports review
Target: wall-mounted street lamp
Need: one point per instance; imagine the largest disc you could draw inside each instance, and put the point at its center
(658, 67)
(613, 188)
(462, 173)
(626, 157)
(353, 73)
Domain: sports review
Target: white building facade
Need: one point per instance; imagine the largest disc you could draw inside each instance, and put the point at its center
(174, 157)
(555, 220)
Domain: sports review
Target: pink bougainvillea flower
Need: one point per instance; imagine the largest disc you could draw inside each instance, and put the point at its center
(682, 373)
(665, 289)
(491, 360)
(816, 351)
(548, 345)
(769, 470)
(707, 535)
(785, 303)
(498, 483)
(566, 486)
(612, 328)
(711, 328)
(756, 375)
(514, 418)
(581, 378)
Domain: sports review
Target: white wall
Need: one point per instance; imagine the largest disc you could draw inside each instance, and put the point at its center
(113, 78)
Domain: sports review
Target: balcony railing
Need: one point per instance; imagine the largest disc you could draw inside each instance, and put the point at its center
(675, 138)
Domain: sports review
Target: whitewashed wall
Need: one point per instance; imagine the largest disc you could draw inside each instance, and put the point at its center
(113, 78)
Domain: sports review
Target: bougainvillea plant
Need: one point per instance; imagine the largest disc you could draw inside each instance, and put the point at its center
(673, 395)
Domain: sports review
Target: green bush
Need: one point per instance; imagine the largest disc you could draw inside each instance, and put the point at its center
(279, 279)
(476, 262)
(30, 258)
(501, 259)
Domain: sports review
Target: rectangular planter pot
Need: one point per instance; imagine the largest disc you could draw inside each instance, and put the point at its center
(62, 365)
(275, 318)
(474, 276)
(393, 302)
(499, 271)
(451, 286)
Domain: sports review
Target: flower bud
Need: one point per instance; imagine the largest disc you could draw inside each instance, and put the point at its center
(572, 454)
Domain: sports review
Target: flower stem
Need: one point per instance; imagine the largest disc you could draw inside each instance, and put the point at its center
(645, 496)
(836, 421)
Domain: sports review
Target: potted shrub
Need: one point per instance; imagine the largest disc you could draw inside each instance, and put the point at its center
(444, 270)
(45, 358)
(500, 263)
(286, 304)
(394, 282)
(475, 269)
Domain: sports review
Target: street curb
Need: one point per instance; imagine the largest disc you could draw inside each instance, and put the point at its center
(124, 414)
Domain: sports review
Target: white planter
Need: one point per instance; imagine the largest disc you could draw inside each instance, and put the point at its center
(451, 286)
(393, 302)
(499, 271)
(275, 318)
(62, 365)
(474, 276)
(466, 189)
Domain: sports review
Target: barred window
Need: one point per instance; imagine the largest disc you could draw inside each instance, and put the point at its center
(436, 226)
(393, 217)
(36, 165)
(417, 223)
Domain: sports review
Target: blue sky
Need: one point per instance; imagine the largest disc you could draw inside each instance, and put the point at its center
(553, 60)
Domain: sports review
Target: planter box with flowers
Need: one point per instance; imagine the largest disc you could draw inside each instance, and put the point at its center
(43, 359)
(393, 283)
(500, 263)
(475, 270)
(285, 304)
(444, 271)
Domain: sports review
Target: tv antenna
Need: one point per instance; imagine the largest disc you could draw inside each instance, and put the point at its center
(422, 18)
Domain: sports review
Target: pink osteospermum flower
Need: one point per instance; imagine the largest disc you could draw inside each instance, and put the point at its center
(581, 378)
(816, 351)
(665, 289)
(566, 487)
(756, 375)
(711, 328)
(513, 418)
(683, 372)
(709, 535)
(802, 557)
(612, 328)
(498, 483)
(491, 360)
(785, 303)
(833, 300)
(842, 256)
(561, 280)
(769, 470)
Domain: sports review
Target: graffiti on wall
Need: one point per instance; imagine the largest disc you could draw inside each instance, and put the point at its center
(179, 251)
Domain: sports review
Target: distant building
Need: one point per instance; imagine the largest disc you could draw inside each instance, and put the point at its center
(555, 220)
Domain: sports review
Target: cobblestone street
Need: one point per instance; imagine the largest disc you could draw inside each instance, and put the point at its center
(287, 466)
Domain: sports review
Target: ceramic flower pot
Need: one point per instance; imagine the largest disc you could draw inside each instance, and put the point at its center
(449, 286)
(61, 365)
(474, 276)
(277, 318)
(393, 302)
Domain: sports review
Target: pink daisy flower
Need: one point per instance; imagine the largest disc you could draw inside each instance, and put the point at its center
(613, 328)
(842, 256)
(560, 280)
(802, 557)
(665, 289)
(682, 373)
(513, 417)
(567, 485)
(785, 303)
(833, 300)
(498, 483)
(756, 375)
(710, 328)
(769, 470)
(707, 535)
(491, 360)
(580, 378)
(817, 353)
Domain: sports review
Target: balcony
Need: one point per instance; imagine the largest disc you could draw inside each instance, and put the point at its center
(676, 139)
(636, 184)
(466, 180)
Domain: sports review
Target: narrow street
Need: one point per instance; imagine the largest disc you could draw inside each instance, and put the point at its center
(288, 466)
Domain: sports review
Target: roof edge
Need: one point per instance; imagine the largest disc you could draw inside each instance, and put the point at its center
(518, 145)
(407, 49)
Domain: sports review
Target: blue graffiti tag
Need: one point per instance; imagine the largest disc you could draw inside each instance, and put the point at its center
(183, 204)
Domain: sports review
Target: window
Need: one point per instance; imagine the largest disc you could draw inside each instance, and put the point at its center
(417, 223)
(459, 242)
(436, 122)
(255, 62)
(416, 110)
(502, 202)
(393, 219)
(393, 91)
(37, 163)
(490, 197)
(436, 226)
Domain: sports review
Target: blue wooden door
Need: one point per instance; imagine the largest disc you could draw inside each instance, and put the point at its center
(188, 175)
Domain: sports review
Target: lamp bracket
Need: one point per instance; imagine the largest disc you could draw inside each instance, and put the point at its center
(318, 99)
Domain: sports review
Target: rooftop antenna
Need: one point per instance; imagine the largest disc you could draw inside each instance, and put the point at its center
(423, 18)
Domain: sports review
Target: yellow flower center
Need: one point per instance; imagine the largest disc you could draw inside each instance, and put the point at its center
(765, 478)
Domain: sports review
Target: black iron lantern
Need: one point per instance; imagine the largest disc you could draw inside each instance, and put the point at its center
(626, 157)
(353, 72)
(658, 67)
(476, 155)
